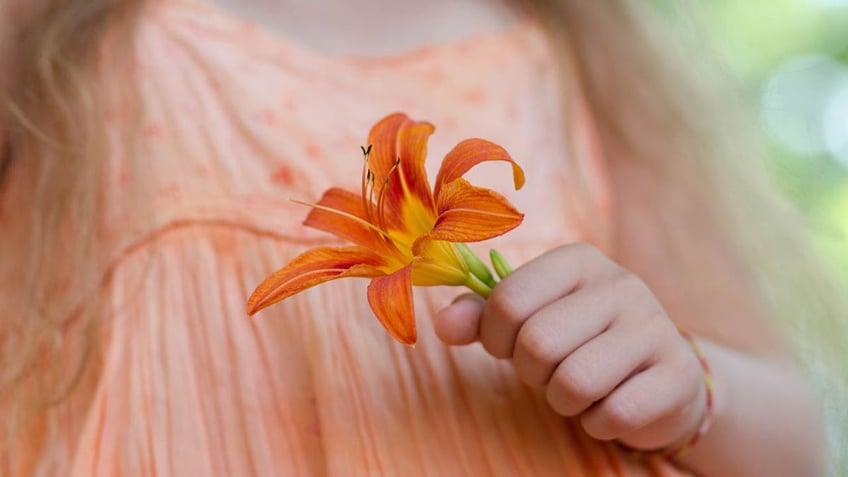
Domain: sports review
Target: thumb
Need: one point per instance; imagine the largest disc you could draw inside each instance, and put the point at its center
(459, 323)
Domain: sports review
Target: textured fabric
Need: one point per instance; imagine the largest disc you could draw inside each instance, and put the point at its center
(236, 121)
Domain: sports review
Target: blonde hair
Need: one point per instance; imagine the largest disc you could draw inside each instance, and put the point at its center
(50, 122)
(649, 103)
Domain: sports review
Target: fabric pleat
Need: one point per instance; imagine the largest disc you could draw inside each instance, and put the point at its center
(236, 121)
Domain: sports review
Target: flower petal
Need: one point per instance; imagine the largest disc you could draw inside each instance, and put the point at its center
(391, 299)
(312, 268)
(412, 149)
(398, 150)
(470, 214)
(349, 222)
(468, 154)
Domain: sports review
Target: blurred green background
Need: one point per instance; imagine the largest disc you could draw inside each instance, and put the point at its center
(792, 59)
(792, 56)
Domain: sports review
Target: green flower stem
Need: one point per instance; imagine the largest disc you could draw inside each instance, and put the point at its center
(475, 265)
(478, 286)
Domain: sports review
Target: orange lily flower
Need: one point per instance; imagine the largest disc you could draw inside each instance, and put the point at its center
(401, 230)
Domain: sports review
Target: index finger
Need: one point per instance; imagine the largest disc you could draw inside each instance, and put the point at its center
(549, 277)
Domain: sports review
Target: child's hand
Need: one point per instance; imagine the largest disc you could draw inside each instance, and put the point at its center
(595, 337)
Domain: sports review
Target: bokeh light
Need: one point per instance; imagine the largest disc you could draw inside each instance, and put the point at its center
(799, 103)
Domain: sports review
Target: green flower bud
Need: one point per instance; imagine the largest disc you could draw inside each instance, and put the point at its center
(499, 264)
(475, 265)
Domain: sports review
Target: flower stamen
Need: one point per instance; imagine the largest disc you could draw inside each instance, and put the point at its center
(381, 200)
(350, 216)
(367, 182)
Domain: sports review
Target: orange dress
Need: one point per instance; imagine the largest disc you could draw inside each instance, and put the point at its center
(237, 120)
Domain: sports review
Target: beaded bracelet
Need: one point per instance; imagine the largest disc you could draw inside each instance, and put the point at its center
(706, 420)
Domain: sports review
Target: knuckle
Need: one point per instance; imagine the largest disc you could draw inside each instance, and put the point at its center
(629, 283)
(586, 249)
(620, 415)
(587, 255)
(501, 307)
(572, 383)
(655, 327)
(631, 289)
(535, 356)
(656, 318)
(537, 344)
